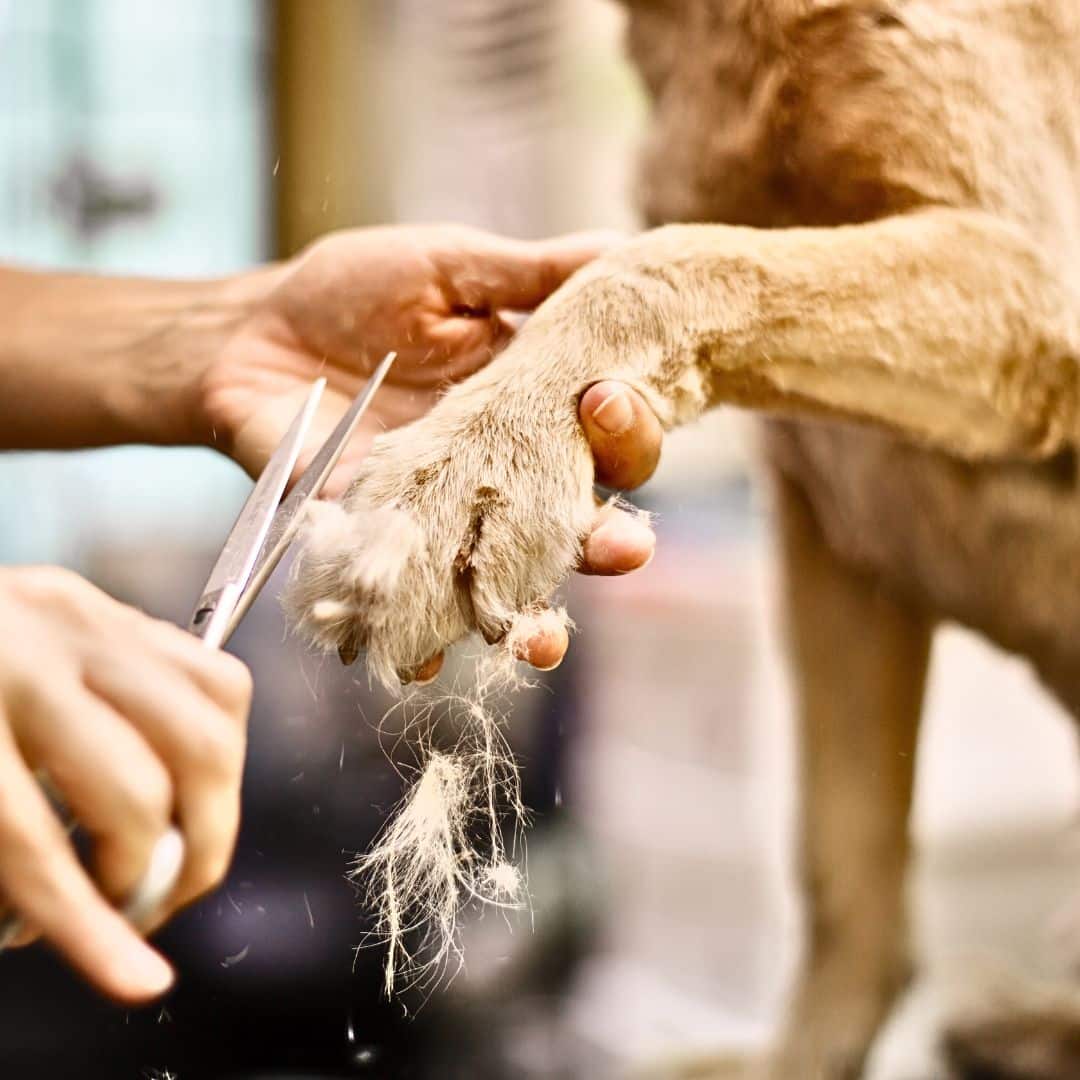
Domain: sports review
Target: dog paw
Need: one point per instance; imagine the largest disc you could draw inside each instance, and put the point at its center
(468, 519)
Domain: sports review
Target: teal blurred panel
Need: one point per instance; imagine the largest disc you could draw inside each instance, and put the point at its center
(133, 139)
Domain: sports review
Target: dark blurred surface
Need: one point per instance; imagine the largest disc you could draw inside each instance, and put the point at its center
(271, 979)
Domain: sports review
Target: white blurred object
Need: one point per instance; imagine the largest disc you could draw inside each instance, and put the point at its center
(996, 752)
(682, 779)
(472, 89)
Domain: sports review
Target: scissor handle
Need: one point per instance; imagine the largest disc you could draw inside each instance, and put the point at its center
(158, 880)
(145, 899)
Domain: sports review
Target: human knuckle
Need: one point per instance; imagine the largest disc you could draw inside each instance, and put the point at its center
(454, 235)
(232, 683)
(25, 694)
(51, 577)
(37, 706)
(52, 584)
(210, 866)
(145, 796)
(214, 748)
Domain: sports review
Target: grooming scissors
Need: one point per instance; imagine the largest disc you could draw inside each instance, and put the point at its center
(263, 531)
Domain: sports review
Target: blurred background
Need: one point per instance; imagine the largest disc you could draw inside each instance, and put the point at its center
(197, 137)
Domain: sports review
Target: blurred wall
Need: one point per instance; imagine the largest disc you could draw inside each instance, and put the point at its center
(134, 139)
(330, 168)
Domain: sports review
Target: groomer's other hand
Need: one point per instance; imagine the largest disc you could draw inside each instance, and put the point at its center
(438, 295)
(625, 437)
(137, 725)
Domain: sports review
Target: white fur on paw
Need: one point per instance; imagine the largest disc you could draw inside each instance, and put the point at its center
(352, 562)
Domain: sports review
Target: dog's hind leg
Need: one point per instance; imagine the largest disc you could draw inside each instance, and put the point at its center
(859, 659)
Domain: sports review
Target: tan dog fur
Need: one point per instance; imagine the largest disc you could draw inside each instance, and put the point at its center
(892, 274)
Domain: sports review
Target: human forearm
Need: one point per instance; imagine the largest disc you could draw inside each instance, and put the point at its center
(92, 361)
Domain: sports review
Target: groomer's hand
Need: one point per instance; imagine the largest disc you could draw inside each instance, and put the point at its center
(438, 295)
(137, 725)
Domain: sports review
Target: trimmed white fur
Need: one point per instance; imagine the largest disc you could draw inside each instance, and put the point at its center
(351, 564)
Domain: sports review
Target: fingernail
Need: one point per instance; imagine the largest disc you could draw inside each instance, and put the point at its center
(598, 543)
(523, 649)
(428, 673)
(425, 674)
(615, 414)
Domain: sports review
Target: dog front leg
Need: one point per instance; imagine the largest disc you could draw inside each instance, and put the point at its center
(949, 327)
(946, 326)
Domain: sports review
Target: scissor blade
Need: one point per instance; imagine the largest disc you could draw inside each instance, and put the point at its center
(311, 482)
(232, 571)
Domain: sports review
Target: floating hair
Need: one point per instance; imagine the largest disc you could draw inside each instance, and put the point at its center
(455, 836)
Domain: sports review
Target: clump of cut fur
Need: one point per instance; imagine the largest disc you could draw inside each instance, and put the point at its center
(446, 844)
(416, 866)
(417, 556)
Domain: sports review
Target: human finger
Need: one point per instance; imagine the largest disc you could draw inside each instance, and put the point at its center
(620, 541)
(541, 640)
(42, 880)
(105, 772)
(623, 432)
(487, 273)
(201, 741)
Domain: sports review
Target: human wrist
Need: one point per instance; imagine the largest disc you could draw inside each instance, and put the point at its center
(94, 361)
(160, 395)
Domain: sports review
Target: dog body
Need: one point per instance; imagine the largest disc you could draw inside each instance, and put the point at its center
(774, 113)
(990, 546)
(842, 113)
(890, 270)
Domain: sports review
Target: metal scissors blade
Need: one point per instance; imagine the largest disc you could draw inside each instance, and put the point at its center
(233, 568)
(290, 514)
(266, 525)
